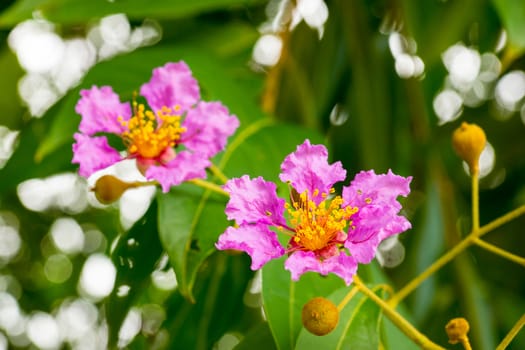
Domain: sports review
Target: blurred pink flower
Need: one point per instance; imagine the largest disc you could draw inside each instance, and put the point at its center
(172, 141)
(328, 233)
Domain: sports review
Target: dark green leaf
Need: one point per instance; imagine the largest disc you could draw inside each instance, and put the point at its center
(135, 257)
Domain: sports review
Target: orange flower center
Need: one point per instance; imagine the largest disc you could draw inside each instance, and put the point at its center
(150, 134)
(317, 225)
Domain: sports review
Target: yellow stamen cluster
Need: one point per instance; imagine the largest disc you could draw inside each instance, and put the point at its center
(317, 225)
(149, 135)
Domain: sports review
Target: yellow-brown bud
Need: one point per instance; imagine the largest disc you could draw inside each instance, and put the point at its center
(468, 141)
(320, 316)
(108, 188)
(457, 330)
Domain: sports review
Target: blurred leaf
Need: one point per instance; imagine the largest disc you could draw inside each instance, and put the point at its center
(428, 238)
(476, 304)
(284, 299)
(10, 72)
(75, 11)
(259, 337)
(190, 220)
(512, 13)
(135, 256)
(358, 326)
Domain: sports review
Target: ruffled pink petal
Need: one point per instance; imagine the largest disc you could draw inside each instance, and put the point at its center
(362, 242)
(364, 252)
(185, 166)
(171, 85)
(93, 153)
(377, 217)
(307, 169)
(342, 265)
(208, 127)
(369, 188)
(260, 243)
(253, 201)
(100, 109)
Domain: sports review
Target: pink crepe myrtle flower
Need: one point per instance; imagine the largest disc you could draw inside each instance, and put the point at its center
(171, 140)
(328, 233)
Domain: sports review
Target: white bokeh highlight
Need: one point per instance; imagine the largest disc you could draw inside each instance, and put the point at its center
(447, 105)
(54, 65)
(67, 235)
(43, 331)
(463, 65)
(267, 50)
(97, 277)
(407, 64)
(510, 90)
(130, 327)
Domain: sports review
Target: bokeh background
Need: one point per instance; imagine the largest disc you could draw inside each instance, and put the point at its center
(382, 83)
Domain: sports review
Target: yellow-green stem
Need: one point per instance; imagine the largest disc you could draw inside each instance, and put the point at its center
(466, 344)
(209, 186)
(218, 172)
(451, 254)
(499, 251)
(502, 220)
(143, 184)
(512, 333)
(347, 298)
(475, 201)
(406, 327)
(415, 282)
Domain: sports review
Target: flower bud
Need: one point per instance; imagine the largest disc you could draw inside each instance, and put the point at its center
(108, 188)
(320, 316)
(457, 330)
(468, 141)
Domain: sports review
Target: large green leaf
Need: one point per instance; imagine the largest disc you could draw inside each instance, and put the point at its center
(135, 256)
(284, 299)
(358, 326)
(75, 11)
(190, 221)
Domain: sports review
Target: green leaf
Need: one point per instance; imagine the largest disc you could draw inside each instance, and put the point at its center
(260, 337)
(135, 257)
(512, 13)
(358, 326)
(190, 220)
(283, 299)
(75, 11)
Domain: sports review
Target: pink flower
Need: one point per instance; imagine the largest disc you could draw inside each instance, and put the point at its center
(172, 141)
(328, 233)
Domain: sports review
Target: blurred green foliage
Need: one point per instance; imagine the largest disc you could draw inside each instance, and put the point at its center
(391, 124)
